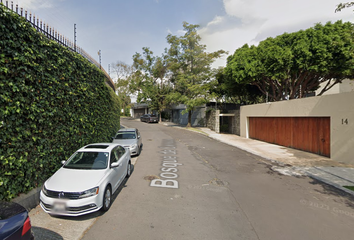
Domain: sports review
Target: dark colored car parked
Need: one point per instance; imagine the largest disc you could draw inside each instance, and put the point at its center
(149, 118)
(15, 223)
(142, 117)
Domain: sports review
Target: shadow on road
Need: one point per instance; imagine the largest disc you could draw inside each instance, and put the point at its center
(45, 234)
(328, 189)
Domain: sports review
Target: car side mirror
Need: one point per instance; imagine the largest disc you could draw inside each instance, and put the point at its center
(63, 162)
(138, 136)
(115, 164)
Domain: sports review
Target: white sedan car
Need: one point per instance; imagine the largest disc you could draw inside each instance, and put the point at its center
(85, 183)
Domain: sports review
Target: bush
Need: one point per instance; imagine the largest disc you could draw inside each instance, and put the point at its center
(52, 102)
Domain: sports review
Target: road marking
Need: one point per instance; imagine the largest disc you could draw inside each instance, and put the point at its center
(169, 166)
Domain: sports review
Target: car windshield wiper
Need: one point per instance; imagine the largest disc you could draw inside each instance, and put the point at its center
(76, 167)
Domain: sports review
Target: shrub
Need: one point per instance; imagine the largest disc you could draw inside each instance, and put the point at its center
(52, 102)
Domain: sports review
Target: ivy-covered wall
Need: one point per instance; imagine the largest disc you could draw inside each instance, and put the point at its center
(52, 102)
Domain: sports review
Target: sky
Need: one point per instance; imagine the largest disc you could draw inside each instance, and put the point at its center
(120, 28)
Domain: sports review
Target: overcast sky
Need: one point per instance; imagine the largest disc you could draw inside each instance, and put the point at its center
(120, 28)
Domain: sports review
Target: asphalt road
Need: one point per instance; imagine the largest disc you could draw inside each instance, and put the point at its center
(210, 190)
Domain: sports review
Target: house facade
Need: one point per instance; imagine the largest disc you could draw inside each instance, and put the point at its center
(139, 109)
(323, 124)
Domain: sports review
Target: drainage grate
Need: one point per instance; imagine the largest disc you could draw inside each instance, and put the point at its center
(218, 182)
(151, 177)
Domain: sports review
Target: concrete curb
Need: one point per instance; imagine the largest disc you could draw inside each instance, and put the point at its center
(328, 182)
(29, 200)
(350, 182)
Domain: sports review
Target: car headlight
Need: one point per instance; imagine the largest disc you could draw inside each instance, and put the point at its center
(89, 193)
(44, 190)
(133, 146)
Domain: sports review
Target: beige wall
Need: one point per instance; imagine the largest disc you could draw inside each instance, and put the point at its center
(339, 107)
(347, 85)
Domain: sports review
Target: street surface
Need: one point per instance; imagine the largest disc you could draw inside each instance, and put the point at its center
(188, 186)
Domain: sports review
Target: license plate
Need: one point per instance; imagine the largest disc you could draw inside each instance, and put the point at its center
(59, 206)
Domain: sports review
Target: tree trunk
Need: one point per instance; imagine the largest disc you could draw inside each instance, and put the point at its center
(189, 119)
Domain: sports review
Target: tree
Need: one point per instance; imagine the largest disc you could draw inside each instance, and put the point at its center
(123, 83)
(190, 67)
(150, 80)
(291, 65)
(341, 6)
(226, 89)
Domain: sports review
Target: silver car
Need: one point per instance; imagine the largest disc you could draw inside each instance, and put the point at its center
(129, 138)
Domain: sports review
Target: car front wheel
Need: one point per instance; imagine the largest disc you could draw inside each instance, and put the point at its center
(129, 170)
(138, 151)
(107, 199)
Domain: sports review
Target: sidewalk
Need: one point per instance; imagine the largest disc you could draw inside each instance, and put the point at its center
(289, 161)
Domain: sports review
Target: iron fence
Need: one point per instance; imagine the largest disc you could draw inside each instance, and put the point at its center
(53, 34)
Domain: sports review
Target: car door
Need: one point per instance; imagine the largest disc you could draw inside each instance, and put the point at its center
(139, 138)
(123, 163)
(115, 171)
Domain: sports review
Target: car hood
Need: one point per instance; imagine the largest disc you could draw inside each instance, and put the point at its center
(74, 180)
(125, 142)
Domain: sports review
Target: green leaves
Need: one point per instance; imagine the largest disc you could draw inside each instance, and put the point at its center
(181, 75)
(150, 78)
(190, 67)
(52, 102)
(291, 65)
(341, 6)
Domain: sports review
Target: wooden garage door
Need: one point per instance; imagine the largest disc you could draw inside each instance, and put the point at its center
(311, 134)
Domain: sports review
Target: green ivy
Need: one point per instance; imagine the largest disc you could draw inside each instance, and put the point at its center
(52, 102)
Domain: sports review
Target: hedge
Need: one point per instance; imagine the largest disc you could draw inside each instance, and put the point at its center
(52, 102)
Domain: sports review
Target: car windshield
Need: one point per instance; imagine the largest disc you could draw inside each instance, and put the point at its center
(125, 135)
(88, 160)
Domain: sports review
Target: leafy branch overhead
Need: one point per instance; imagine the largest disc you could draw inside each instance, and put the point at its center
(341, 6)
(292, 65)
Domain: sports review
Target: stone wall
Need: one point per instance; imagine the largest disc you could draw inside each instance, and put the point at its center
(234, 122)
(217, 121)
(210, 119)
(213, 121)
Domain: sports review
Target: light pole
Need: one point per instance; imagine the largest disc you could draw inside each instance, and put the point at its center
(99, 55)
(75, 37)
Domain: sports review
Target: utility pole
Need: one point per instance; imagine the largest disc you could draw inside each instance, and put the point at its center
(109, 70)
(75, 37)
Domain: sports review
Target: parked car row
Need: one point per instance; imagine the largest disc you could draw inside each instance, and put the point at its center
(88, 179)
(129, 138)
(84, 184)
(149, 118)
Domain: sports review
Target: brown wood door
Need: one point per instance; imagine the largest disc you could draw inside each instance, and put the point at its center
(311, 134)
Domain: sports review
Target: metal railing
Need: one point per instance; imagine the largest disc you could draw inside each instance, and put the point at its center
(53, 34)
